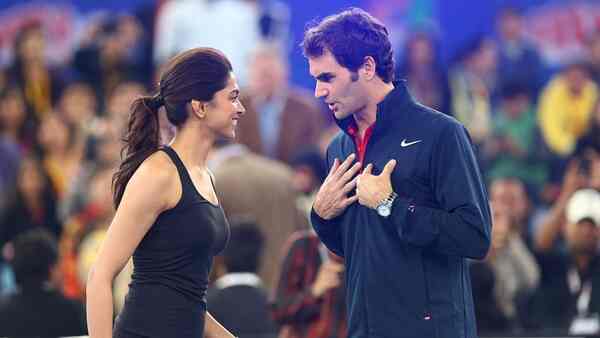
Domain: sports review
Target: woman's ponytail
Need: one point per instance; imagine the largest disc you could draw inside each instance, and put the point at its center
(141, 140)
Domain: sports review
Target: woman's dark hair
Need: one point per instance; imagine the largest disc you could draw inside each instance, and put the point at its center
(196, 74)
(351, 36)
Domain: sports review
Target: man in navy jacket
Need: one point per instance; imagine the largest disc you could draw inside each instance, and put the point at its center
(404, 202)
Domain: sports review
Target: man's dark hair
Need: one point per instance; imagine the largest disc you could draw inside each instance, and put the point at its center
(351, 36)
(244, 247)
(36, 252)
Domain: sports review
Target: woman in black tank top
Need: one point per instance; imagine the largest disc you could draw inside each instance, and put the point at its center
(168, 217)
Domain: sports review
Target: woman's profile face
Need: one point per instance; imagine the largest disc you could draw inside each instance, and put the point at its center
(225, 109)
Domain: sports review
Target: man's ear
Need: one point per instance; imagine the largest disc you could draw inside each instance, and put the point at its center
(369, 68)
(198, 108)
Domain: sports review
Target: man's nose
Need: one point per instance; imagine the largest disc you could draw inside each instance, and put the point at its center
(320, 91)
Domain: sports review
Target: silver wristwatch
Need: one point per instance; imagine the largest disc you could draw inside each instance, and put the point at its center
(384, 209)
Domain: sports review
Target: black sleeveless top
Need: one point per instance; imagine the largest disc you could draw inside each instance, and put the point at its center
(172, 263)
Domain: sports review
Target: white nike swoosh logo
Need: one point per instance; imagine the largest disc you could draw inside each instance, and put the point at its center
(406, 144)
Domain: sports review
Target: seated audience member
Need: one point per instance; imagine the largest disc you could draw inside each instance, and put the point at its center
(514, 267)
(509, 193)
(38, 309)
(253, 186)
(515, 147)
(309, 172)
(34, 204)
(238, 299)
(565, 107)
(309, 300)
(569, 295)
(280, 118)
(489, 316)
(547, 233)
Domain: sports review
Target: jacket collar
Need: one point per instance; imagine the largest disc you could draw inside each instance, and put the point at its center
(387, 110)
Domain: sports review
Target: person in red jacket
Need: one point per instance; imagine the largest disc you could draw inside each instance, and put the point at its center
(309, 299)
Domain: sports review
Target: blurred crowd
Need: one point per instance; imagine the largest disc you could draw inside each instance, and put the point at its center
(535, 129)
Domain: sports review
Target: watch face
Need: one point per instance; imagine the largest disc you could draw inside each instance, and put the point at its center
(383, 210)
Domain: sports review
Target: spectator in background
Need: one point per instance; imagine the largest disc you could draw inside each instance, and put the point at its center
(34, 206)
(590, 141)
(238, 299)
(15, 128)
(83, 237)
(515, 147)
(102, 144)
(518, 59)
(509, 193)
(569, 297)
(490, 318)
(61, 151)
(280, 119)
(515, 269)
(106, 57)
(473, 86)
(77, 110)
(250, 185)
(38, 309)
(274, 22)
(309, 299)
(565, 107)
(102, 153)
(118, 103)
(309, 172)
(39, 84)
(78, 106)
(9, 165)
(12, 142)
(96, 214)
(186, 24)
(547, 236)
(423, 70)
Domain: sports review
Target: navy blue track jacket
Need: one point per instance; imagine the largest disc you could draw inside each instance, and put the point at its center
(407, 275)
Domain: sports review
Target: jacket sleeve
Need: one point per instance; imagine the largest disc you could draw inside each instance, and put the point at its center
(461, 226)
(328, 230)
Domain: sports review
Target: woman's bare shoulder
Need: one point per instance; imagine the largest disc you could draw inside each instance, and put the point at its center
(157, 177)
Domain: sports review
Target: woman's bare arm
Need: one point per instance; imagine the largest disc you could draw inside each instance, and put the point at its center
(150, 191)
(213, 329)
